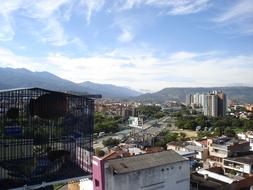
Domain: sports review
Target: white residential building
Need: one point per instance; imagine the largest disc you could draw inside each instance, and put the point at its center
(242, 165)
(248, 136)
(165, 170)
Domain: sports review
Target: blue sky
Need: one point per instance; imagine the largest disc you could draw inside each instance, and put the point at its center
(144, 44)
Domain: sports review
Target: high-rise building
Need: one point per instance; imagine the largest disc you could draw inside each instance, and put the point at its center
(205, 104)
(201, 97)
(196, 99)
(188, 99)
(215, 104)
(192, 99)
(222, 104)
(209, 105)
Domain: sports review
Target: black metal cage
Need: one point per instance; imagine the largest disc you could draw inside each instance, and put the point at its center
(44, 136)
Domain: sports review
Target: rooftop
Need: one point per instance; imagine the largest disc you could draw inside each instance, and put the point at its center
(52, 91)
(186, 154)
(208, 183)
(226, 141)
(144, 161)
(247, 159)
(203, 142)
(242, 184)
(177, 143)
(194, 148)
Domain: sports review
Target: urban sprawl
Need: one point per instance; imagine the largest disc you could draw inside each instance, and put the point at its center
(204, 143)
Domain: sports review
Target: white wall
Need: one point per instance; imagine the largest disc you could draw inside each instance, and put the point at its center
(169, 177)
(247, 168)
(216, 176)
(86, 185)
(250, 139)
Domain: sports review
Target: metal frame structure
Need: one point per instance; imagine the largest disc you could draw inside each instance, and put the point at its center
(45, 136)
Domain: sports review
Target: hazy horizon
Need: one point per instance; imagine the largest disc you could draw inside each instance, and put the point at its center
(141, 90)
(146, 45)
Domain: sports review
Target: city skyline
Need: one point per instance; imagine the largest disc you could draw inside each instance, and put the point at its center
(143, 44)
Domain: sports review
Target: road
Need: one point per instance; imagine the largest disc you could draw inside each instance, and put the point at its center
(98, 142)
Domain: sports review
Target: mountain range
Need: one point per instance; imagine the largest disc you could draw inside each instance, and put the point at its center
(239, 93)
(19, 78)
(109, 90)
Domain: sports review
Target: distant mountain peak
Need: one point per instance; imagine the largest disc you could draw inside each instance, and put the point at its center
(109, 90)
(18, 78)
(241, 93)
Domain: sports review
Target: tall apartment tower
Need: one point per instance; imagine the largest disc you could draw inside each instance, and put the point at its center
(222, 104)
(211, 105)
(215, 104)
(195, 99)
(188, 100)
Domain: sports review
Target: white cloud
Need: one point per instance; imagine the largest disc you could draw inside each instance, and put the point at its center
(125, 36)
(54, 33)
(175, 7)
(6, 21)
(49, 14)
(9, 59)
(91, 7)
(9, 6)
(128, 28)
(188, 7)
(239, 17)
(6, 31)
(183, 55)
(243, 9)
(43, 9)
(145, 71)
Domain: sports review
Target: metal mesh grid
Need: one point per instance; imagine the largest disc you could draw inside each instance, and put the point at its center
(44, 136)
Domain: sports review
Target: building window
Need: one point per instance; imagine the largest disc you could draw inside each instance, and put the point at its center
(96, 183)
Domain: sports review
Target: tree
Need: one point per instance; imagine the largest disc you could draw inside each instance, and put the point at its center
(177, 114)
(111, 142)
(194, 112)
(229, 132)
(217, 131)
(149, 111)
(99, 152)
(190, 125)
(170, 137)
(164, 137)
(248, 124)
(159, 115)
(180, 123)
(106, 124)
(236, 122)
(160, 143)
(201, 121)
(204, 134)
(181, 136)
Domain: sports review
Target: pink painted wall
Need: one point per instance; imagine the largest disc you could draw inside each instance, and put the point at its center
(98, 174)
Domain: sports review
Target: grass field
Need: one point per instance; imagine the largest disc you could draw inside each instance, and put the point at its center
(189, 133)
